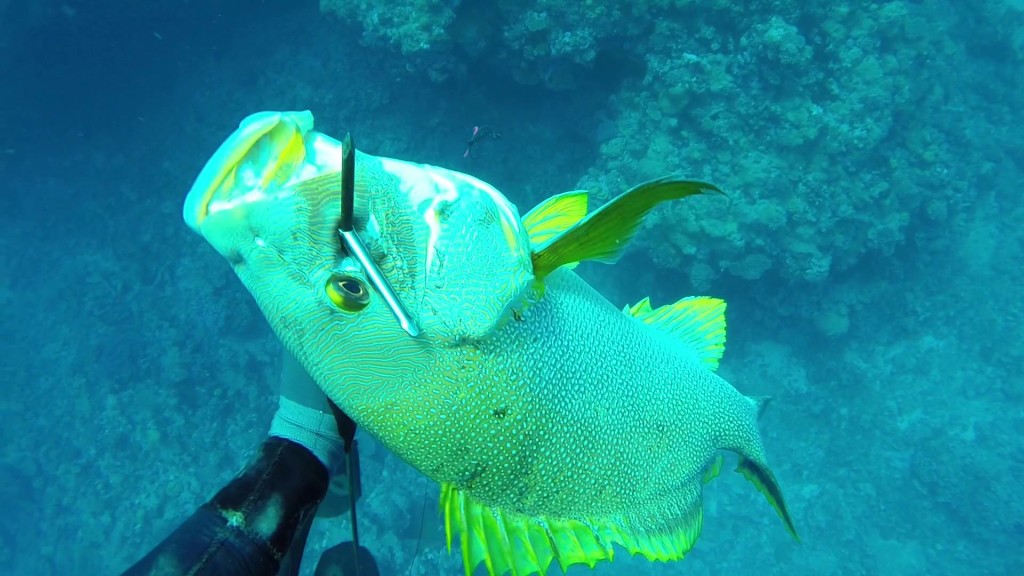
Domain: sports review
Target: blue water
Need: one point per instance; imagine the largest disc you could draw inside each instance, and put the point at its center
(870, 249)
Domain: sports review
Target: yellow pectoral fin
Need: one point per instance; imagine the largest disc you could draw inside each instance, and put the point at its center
(605, 233)
(554, 216)
(510, 543)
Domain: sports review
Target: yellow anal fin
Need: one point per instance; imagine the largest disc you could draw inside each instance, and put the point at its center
(604, 234)
(554, 216)
(699, 321)
(763, 479)
(713, 469)
(505, 543)
(511, 543)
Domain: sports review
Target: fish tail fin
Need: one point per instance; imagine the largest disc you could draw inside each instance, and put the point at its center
(762, 478)
(753, 467)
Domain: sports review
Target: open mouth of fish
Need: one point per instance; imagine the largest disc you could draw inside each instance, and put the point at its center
(261, 160)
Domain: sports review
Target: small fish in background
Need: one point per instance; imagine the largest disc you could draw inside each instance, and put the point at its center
(480, 134)
(557, 424)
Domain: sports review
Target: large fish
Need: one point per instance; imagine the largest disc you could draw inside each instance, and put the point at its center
(557, 424)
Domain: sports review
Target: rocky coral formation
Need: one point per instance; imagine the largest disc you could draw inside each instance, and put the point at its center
(838, 129)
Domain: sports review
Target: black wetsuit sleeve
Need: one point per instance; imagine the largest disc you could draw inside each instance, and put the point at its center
(247, 528)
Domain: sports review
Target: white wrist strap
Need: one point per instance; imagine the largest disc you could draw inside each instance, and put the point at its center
(311, 429)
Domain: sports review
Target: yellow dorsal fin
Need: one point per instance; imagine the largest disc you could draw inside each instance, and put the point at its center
(699, 321)
(554, 216)
(605, 233)
(511, 543)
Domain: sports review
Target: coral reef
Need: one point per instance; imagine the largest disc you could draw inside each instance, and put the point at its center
(826, 136)
(834, 128)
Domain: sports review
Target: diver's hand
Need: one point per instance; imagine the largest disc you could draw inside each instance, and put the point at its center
(303, 416)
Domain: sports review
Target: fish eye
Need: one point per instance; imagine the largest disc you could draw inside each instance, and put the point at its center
(348, 292)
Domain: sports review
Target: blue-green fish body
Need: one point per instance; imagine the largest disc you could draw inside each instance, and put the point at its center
(557, 424)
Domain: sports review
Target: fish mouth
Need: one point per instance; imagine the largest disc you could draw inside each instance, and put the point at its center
(266, 153)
